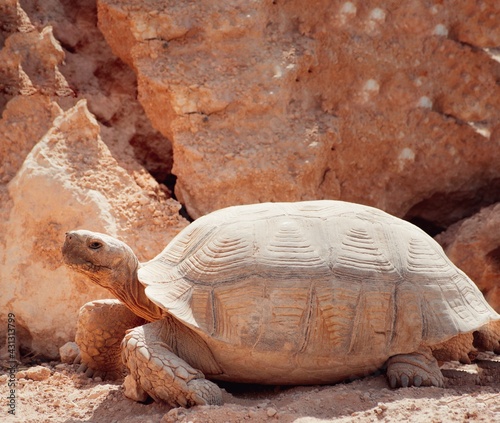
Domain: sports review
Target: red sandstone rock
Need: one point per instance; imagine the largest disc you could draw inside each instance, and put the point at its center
(29, 64)
(25, 120)
(95, 74)
(473, 244)
(362, 101)
(70, 180)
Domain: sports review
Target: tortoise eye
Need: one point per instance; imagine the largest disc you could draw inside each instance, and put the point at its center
(95, 245)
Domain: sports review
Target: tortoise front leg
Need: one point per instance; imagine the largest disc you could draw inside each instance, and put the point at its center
(100, 329)
(156, 371)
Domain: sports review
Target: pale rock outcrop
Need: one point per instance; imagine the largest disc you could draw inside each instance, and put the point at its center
(24, 121)
(473, 244)
(70, 180)
(69, 352)
(36, 207)
(381, 103)
(29, 63)
(54, 48)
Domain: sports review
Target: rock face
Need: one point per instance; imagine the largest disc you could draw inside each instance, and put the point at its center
(54, 48)
(381, 103)
(473, 244)
(70, 180)
(56, 173)
(25, 120)
(388, 104)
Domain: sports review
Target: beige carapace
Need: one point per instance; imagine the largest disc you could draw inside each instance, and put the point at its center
(278, 293)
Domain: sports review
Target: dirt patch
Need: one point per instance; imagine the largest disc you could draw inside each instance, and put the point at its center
(55, 392)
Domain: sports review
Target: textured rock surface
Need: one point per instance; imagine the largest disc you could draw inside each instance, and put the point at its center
(268, 100)
(29, 58)
(363, 101)
(25, 120)
(473, 244)
(70, 180)
(69, 352)
(54, 48)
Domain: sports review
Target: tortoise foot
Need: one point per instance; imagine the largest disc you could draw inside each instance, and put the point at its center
(159, 373)
(93, 373)
(205, 392)
(416, 369)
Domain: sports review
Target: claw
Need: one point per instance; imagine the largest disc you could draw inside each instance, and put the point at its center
(464, 359)
(405, 381)
(393, 382)
(416, 369)
(181, 400)
(82, 368)
(436, 382)
(78, 359)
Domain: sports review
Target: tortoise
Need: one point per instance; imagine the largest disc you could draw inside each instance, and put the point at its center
(312, 292)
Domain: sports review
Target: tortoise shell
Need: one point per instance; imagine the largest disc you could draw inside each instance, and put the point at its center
(317, 278)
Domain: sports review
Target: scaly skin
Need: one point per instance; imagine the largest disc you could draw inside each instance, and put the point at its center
(101, 327)
(415, 369)
(158, 372)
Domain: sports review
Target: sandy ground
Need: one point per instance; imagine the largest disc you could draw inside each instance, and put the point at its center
(55, 392)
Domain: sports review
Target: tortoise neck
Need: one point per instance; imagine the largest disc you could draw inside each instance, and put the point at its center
(132, 293)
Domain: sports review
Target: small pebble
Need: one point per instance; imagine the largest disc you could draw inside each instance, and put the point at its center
(252, 414)
(271, 412)
(38, 373)
(69, 352)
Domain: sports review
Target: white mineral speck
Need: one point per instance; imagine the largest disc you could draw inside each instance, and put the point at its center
(348, 8)
(441, 30)
(377, 14)
(407, 154)
(371, 85)
(425, 102)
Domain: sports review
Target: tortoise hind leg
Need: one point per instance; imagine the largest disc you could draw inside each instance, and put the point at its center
(155, 370)
(487, 338)
(415, 369)
(459, 348)
(101, 327)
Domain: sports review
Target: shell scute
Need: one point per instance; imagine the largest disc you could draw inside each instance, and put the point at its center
(360, 250)
(422, 257)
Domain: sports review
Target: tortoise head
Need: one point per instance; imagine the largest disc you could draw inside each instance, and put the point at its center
(111, 264)
(105, 260)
